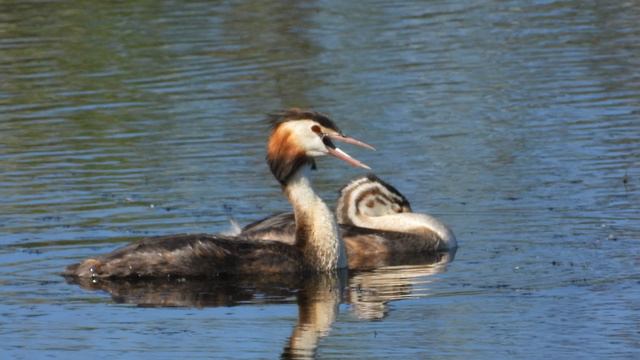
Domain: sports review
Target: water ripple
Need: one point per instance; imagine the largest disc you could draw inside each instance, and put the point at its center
(516, 122)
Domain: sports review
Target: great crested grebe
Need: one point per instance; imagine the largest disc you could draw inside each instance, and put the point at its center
(387, 212)
(297, 137)
(376, 223)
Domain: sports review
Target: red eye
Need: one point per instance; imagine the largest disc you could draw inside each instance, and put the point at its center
(316, 129)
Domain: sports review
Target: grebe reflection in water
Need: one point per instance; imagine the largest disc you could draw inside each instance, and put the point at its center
(368, 294)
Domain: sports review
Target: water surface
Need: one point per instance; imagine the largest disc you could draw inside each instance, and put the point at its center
(517, 123)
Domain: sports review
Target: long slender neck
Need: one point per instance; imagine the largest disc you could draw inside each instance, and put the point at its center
(316, 229)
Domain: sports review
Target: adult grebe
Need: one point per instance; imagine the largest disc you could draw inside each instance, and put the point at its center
(376, 223)
(297, 137)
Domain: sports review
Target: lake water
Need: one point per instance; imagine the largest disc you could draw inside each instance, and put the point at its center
(516, 122)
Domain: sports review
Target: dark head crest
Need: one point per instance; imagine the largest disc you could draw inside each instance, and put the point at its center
(276, 118)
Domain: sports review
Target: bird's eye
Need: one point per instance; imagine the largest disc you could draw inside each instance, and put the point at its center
(316, 129)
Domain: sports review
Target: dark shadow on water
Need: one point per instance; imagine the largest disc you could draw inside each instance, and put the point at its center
(196, 292)
(318, 295)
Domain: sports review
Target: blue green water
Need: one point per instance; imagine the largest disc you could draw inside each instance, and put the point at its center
(516, 122)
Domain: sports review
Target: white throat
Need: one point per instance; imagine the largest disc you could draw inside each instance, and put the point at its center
(316, 229)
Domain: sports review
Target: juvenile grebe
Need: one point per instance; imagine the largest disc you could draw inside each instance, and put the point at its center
(384, 213)
(297, 137)
(376, 223)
